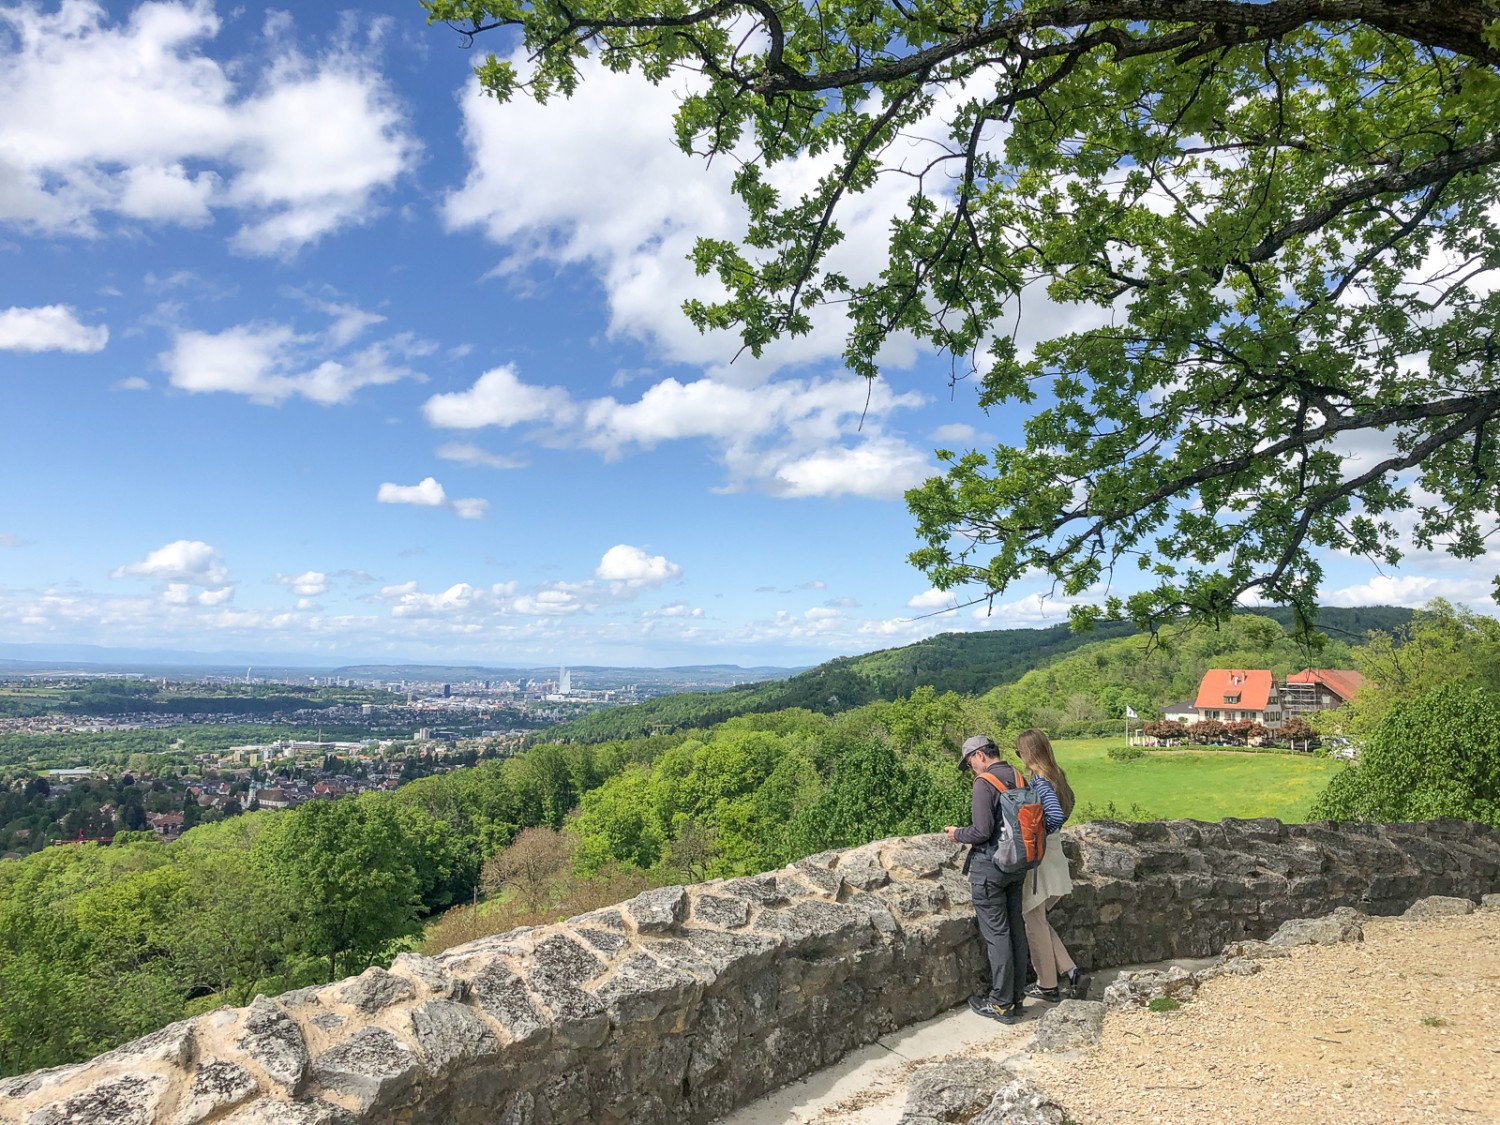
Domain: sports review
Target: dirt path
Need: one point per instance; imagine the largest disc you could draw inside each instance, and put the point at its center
(1402, 1027)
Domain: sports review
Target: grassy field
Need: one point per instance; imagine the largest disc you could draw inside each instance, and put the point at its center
(1205, 785)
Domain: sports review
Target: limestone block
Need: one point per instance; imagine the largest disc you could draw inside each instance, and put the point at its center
(216, 1086)
(373, 990)
(861, 868)
(429, 975)
(952, 1090)
(1489, 902)
(1139, 989)
(447, 1033)
(129, 1100)
(1437, 906)
(174, 1045)
(1021, 1103)
(502, 996)
(1071, 1025)
(657, 910)
(641, 988)
(921, 857)
(1341, 925)
(373, 1066)
(720, 910)
(273, 1041)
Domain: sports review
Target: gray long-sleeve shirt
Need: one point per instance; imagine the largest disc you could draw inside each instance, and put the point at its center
(982, 806)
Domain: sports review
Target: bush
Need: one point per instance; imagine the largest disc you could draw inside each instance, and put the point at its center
(1437, 755)
(1110, 811)
(1125, 753)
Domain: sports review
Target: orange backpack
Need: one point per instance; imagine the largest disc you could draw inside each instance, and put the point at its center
(1020, 826)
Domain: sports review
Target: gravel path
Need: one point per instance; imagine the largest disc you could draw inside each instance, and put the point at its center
(1402, 1027)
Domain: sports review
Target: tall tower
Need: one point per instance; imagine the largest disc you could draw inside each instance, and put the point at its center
(564, 681)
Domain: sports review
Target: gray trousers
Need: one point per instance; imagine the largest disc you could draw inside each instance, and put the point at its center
(1002, 928)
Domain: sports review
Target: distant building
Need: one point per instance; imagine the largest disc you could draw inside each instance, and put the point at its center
(1320, 689)
(1233, 695)
(1182, 712)
(166, 825)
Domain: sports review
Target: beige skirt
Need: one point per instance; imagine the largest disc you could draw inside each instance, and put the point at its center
(1050, 877)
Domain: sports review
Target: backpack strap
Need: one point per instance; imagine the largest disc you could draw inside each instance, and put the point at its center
(1000, 785)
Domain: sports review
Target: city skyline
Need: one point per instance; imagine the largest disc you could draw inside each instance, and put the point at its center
(308, 349)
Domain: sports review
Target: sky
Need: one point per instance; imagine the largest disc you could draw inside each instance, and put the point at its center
(306, 348)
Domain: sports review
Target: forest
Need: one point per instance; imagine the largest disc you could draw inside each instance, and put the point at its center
(101, 944)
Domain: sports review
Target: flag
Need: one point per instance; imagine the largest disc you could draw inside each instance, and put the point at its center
(1129, 714)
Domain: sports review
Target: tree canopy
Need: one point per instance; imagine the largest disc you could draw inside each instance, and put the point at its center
(1271, 225)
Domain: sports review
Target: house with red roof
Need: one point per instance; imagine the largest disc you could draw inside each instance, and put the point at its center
(1320, 689)
(1233, 695)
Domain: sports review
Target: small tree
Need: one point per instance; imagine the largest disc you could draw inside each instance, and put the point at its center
(693, 851)
(533, 866)
(1209, 730)
(1295, 730)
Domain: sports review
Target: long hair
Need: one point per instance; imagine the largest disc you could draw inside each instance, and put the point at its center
(1035, 753)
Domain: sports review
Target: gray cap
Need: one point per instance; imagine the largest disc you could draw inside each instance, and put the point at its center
(978, 742)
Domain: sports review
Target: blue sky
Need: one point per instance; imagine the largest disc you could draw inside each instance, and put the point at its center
(306, 348)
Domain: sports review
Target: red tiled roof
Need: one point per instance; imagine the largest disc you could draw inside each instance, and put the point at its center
(1343, 682)
(1253, 688)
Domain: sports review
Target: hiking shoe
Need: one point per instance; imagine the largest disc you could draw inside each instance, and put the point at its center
(1046, 995)
(987, 1008)
(1076, 982)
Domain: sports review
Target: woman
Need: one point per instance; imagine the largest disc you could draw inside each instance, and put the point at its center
(1050, 881)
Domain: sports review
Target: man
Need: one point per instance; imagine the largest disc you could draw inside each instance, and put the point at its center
(997, 897)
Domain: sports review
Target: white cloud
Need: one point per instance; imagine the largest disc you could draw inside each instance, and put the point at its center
(135, 120)
(1412, 590)
(185, 561)
(472, 508)
(548, 603)
(674, 609)
(632, 567)
(881, 468)
(309, 584)
(955, 433)
(269, 363)
(9, 539)
(130, 383)
(498, 398)
(427, 493)
(933, 599)
(47, 328)
(786, 437)
(466, 454)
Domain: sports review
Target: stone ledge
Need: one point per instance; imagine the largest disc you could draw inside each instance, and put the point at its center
(686, 1002)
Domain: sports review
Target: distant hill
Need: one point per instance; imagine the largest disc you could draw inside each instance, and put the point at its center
(968, 663)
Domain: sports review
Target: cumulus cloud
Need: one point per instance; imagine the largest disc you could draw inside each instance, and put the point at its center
(47, 328)
(134, 122)
(9, 539)
(498, 398)
(308, 584)
(786, 437)
(185, 561)
(428, 493)
(1412, 590)
(932, 599)
(130, 383)
(269, 363)
(632, 567)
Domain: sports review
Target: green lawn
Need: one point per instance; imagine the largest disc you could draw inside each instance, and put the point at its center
(1206, 785)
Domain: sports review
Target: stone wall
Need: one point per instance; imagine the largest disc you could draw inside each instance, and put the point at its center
(684, 1003)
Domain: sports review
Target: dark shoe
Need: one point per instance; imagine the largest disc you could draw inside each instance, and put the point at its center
(1046, 995)
(983, 1006)
(1075, 983)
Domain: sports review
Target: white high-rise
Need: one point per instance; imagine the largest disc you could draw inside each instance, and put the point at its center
(564, 681)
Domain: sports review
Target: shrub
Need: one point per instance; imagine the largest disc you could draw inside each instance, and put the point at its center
(1125, 753)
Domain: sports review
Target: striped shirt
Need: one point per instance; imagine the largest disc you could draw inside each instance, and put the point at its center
(1052, 813)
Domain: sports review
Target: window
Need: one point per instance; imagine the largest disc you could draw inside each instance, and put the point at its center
(1235, 698)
